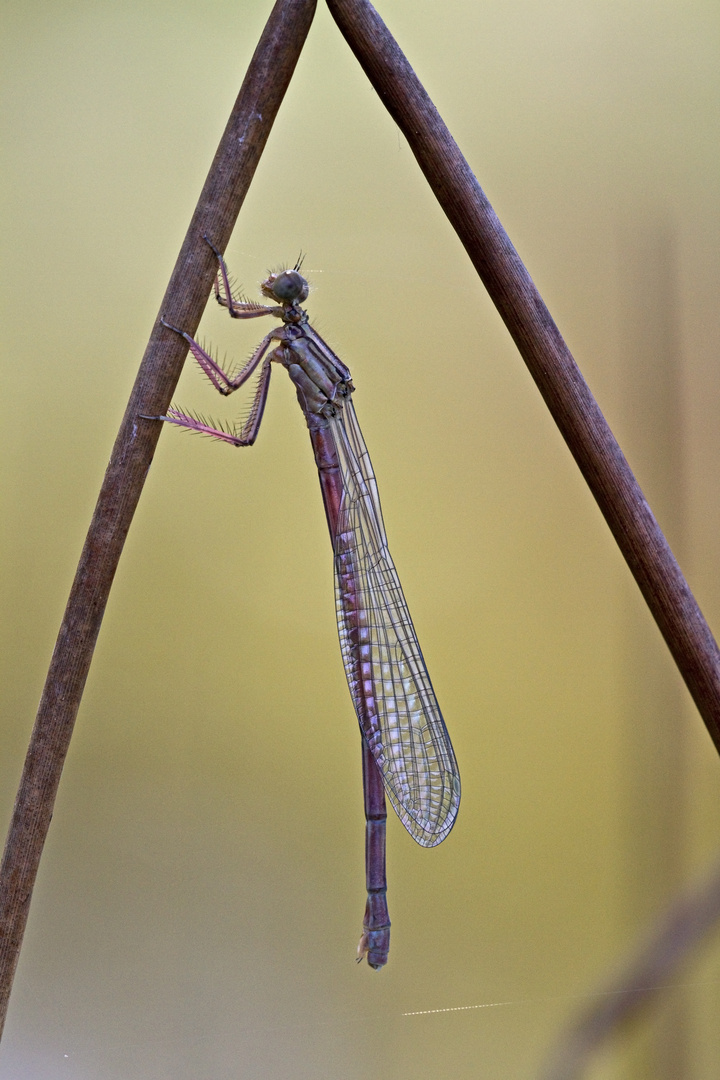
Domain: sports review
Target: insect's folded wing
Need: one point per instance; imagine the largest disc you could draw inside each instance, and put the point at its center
(389, 683)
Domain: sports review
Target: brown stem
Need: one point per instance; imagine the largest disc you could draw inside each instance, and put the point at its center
(685, 924)
(222, 196)
(548, 358)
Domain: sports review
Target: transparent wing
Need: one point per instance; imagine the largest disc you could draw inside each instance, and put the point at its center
(386, 673)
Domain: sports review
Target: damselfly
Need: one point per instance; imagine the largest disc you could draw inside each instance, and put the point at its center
(406, 748)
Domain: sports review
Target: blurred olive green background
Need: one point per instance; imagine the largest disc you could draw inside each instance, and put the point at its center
(202, 888)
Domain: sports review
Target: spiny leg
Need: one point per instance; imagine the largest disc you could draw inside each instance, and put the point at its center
(225, 384)
(238, 308)
(248, 432)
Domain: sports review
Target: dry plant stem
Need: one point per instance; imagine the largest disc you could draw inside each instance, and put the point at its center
(222, 196)
(551, 365)
(650, 971)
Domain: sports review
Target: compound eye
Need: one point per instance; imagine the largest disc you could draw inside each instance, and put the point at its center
(290, 286)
